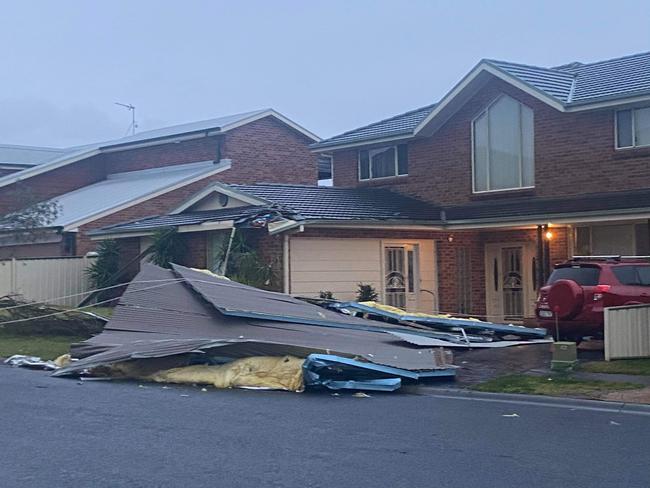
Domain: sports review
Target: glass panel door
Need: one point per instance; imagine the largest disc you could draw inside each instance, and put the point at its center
(395, 279)
(512, 283)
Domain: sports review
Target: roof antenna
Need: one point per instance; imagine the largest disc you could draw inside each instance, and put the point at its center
(134, 124)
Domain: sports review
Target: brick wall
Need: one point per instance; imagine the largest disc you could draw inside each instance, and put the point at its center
(262, 151)
(189, 151)
(53, 183)
(574, 153)
(474, 241)
(269, 151)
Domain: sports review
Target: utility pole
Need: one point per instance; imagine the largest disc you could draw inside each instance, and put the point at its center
(130, 108)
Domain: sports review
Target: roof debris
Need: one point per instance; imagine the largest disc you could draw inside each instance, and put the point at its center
(210, 330)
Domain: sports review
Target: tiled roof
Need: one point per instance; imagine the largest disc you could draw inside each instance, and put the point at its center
(402, 124)
(189, 218)
(306, 203)
(301, 202)
(334, 203)
(578, 83)
(557, 84)
(551, 206)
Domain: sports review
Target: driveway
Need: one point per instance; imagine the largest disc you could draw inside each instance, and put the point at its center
(58, 432)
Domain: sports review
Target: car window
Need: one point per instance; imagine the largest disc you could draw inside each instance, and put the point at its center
(583, 275)
(633, 275)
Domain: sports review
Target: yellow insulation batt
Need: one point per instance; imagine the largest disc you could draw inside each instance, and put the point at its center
(277, 373)
(399, 311)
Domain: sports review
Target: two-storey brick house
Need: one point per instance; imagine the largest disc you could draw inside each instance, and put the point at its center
(464, 205)
(145, 174)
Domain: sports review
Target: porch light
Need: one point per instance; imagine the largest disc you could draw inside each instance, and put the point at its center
(548, 235)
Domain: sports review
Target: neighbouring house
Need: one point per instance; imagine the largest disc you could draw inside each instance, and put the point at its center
(461, 206)
(144, 174)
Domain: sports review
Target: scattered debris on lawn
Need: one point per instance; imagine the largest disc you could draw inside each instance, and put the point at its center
(197, 327)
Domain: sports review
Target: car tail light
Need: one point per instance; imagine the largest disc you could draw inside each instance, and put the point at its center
(599, 291)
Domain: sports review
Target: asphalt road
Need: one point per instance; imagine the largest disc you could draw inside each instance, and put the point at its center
(57, 432)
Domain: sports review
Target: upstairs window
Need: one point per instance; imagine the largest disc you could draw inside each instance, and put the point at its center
(502, 147)
(383, 162)
(633, 128)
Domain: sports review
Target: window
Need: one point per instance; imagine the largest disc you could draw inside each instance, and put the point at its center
(383, 162)
(583, 275)
(617, 239)
(503, 147)
(325, 164)
(632, 275)
(633, 128)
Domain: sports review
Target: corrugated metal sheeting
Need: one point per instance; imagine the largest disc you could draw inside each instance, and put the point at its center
(44, 279)
(167, 313)
(627, 332)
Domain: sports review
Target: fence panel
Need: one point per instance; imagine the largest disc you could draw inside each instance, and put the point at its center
(627, 332)
(43, 279)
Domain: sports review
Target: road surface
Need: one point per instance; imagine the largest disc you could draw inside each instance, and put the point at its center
(57, 432)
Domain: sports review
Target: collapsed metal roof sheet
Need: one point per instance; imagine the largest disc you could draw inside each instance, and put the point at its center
(162, 314)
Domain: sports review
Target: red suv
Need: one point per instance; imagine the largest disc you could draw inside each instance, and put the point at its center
(577, 292)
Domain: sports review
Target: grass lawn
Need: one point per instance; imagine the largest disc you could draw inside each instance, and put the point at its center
(553, 386)
(619, 366)
(44, 346)
(105, 312)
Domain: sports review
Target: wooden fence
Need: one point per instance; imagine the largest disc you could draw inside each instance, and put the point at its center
(627, 332)
(45, 279)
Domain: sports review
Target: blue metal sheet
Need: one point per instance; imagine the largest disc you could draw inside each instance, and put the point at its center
(450, 323)
(337, 372)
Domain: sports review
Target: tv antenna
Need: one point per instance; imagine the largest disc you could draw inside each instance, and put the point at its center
(134, 124)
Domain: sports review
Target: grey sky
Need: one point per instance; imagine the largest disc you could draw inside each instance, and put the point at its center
(330, 65)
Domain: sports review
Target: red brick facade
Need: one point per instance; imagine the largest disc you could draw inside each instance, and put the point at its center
(574, 153)
(265, 150)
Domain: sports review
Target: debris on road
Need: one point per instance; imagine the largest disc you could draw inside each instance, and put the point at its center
(33, 362)
(200, 328)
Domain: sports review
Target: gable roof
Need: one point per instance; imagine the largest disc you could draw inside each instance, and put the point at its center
(211, 126)
(567, 88)
(122, 190)
(301, 203)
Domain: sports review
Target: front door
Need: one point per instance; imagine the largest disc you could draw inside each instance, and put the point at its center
(401, 276)
(509, 281)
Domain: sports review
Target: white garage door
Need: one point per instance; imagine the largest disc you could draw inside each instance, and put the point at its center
(339, 265)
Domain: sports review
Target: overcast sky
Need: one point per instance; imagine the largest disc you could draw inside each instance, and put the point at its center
(329, 65)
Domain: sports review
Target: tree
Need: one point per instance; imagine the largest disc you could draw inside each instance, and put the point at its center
(103, 272)
(34, 216)
(366, 293)
(166, 248)
(243, 262)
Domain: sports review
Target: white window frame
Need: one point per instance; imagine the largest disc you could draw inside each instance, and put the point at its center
(370, 177)
(521, 162)
(634, 144)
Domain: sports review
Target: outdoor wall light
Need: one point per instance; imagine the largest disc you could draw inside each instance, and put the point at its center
(450, 238)
(548, 235)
